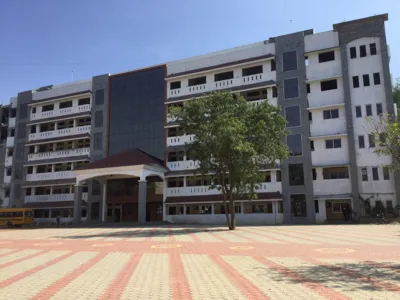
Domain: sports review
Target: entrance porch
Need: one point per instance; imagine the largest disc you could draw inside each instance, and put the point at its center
(132, 184)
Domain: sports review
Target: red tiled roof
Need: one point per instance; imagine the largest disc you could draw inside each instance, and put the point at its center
(131, 157)
(218, 198)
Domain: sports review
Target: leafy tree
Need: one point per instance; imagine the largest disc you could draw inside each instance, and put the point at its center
(386, 134)
(396, 93)
(232, 139)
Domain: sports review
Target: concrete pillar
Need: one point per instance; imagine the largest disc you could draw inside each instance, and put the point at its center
(142, 202)
(78, 204)
(103, 208)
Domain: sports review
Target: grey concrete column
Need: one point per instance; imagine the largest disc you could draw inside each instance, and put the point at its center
(103, 206)
(142, 199)
(78, 204)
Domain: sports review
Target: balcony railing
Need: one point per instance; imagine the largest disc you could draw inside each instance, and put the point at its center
(7, 179)
(332, 187)
(53, 198)
(10, 141)
(205, 190)
(182, 165)
(11, 122)
(59, 133)
(61, 112)
(8, 161)
(59, 154)
(50, 176)
(180, 140)
(234, 82)
(324, 70)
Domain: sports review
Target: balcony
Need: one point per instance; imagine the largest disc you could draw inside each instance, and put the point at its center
(59, 133)
(272, 101)
(8, 161)
(53, 198)
(50, 176)
(59, 154)
(219, 85)
(10, 141)
(180, 140)
(318, 98)
(61, 112)
(182, 165)
(205, 190)
(332, 187)
(7, 179)
(318, 71)
(11, 122)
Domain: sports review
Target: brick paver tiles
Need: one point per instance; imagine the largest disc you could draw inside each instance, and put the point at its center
(199, 262)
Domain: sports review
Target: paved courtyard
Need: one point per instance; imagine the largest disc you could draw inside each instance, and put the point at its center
(194, 262)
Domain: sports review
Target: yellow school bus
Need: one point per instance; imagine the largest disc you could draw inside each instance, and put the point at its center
(15, 217)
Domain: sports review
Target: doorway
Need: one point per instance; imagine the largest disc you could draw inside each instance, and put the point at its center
(334, 209)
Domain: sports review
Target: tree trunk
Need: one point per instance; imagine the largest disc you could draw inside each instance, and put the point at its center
(232, 225)
(228, 221)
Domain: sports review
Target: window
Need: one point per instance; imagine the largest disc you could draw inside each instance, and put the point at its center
(48, 107)
(278, 176)
(294, 144)
(252, 70)
(96, 188)
(368, 109)
(289, 61)
(298, 205)
(389, 206)
(257, 208)
(326, 56)
(377, 78)
(310, 116)
(306, 60)
(330, 144)
(98, 141)
(312, 145)
(98, 119)
(267, 177)
(273, 65)
(197, 81)
(361, 142)
(316, 206)
(371, 141)
(386, 174)
(99, 97)
(366, 79)
(223, 76)
(175, 85)
(375, 175)
(356, 82)
(314, 174)
(363, 51)
(34, 110)
(86, 101)
(291, 88)
(331, 114)
(379, 109)
(296, 174)
(358, 112)
(335, 173)
(372, 49)
(353, 52)
(329, 85)
(308, 88)
(292, 114)
(274, 92)
(65, 104)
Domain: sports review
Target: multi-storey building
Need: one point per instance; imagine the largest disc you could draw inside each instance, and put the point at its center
(325, 83)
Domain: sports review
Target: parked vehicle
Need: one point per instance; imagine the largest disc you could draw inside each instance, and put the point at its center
(16, 217)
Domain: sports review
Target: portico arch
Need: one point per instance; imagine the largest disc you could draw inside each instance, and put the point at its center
(130, 164)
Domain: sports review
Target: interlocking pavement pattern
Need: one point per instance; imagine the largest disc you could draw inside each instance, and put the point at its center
(201, 262)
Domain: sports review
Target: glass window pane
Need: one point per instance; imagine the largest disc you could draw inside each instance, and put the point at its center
(289, 61)
(292, 114)
(294, 144)
(291, 87)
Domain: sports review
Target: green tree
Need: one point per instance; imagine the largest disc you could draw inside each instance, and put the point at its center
(396, 93)
(232, 139)
(386, 134)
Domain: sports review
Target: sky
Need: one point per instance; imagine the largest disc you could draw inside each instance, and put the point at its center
(47, 42)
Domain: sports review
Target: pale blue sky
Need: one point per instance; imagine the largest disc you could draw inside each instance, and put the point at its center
(42, 42)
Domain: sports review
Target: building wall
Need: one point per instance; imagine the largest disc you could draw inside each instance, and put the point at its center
(137, 111)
